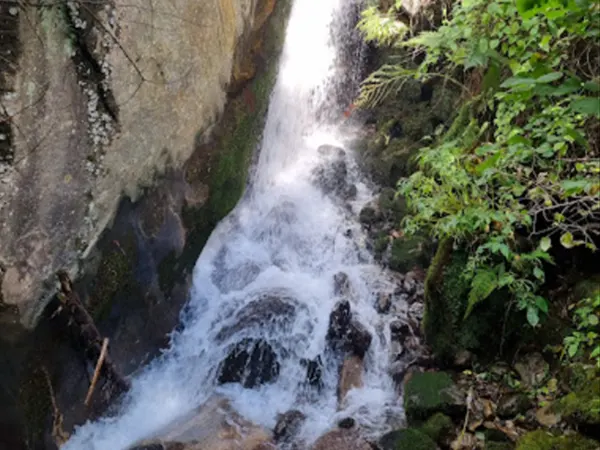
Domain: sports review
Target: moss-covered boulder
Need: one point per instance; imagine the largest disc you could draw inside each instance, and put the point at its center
(494, 445)
(446, 329)
(582, 405)
(541, 440)
(407, 439)
(430, 392)
(438, 427)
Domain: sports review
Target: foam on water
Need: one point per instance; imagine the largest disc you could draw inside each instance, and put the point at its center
(285, 236)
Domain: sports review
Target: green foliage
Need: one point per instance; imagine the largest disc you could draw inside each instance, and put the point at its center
(542, 440)
(584, 341)
(427, 393)
(522, 173)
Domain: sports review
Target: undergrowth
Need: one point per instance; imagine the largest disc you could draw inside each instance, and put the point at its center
(519, 172)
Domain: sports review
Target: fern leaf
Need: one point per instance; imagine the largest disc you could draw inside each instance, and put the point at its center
(483, 284)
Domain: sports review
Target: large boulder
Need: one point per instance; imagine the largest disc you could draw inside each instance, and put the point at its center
(288, 425)
(407, 439)
(332, 176)
(427, 393)
(345, 333)
(213, 426)
(251, 363)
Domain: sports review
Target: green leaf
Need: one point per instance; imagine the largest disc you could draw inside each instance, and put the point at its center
(596, 352)
(567, 240)
(573, 187)
(572, 349)
(587, 105)
(488, 163)
(518, 81)
(538, 273)
(591, 86)
(483, 284)
(545, 244)
(544, 43)
(532, 316)
(550, 77)
(541, 304)
(593, 320)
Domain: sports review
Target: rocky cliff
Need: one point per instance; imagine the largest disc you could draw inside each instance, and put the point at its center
(97, 100)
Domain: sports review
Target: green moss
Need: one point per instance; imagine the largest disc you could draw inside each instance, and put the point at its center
(427, 393)
(408, 439)
(438, 427)
(381, 244)
(446, 295)
(115, 275)
(236, 140)
(392, 205)
(492, 445)
(541, 440)
(583, 405)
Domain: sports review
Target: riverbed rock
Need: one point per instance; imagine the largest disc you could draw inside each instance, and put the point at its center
(351, 377)
(533, 369)
(341, 439)
(288, 425)
(429, 392)
(251, 363)
(213, 426)
(331, 176)
(512, 405)
(345, 333)
(339, 322)
(314, 371)
(341, 284)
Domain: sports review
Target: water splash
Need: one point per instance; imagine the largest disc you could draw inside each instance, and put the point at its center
(286, 236)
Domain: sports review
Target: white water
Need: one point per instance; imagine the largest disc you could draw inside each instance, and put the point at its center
(285, 235)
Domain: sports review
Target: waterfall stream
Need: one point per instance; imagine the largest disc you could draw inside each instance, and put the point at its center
(286, 239)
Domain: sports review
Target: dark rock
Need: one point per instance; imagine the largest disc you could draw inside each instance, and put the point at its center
(288, 425)
(331, 177)
(463, 359)
(407, 439)
(383, 303)
(359, 339)
(400, 330)
(347, 423)
(251, 363)
(350, 192)
(369, 215)
(533, 369)
(438, 427)
(314, 371)
(339, 322)
(341, 285)
(512, 405)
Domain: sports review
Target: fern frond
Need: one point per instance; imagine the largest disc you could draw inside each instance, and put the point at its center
(384, 82)
(483, 284)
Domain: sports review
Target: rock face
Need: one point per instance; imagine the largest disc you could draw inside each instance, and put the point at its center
(97, 99)
(214, 426)
(250, 363)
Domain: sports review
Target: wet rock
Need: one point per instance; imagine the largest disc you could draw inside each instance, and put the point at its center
(341, 284)
(331, 177)
(512, 405)
(213, 426)
(314, 371)
(407, 439)
(369, 215)
(251, 363)
(533, 369)
(359, 339)
(350, 192)
(351, 377)
(430, 392)
(383, 303)
(339, 322)
(341, 439)
(288, 425)
(267, 311)
(348, 423)
(400, 330)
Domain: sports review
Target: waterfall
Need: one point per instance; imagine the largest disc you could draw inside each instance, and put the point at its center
(287, 238)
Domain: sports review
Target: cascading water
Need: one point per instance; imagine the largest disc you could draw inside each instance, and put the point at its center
(286, 239)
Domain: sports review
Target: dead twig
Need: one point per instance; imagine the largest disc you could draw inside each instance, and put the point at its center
(90, 392)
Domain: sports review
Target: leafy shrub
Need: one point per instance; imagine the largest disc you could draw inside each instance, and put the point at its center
(520, 169)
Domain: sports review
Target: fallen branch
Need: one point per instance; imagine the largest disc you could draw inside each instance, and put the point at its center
(59, 435)
(88, 397)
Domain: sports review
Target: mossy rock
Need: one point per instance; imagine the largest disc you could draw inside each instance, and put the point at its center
(438, 427)
(446, 329)
(407, 439)
(392, 205)
(541, 440)
(583, 405)
(493, 445)
(430, 392)
(410, 252)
